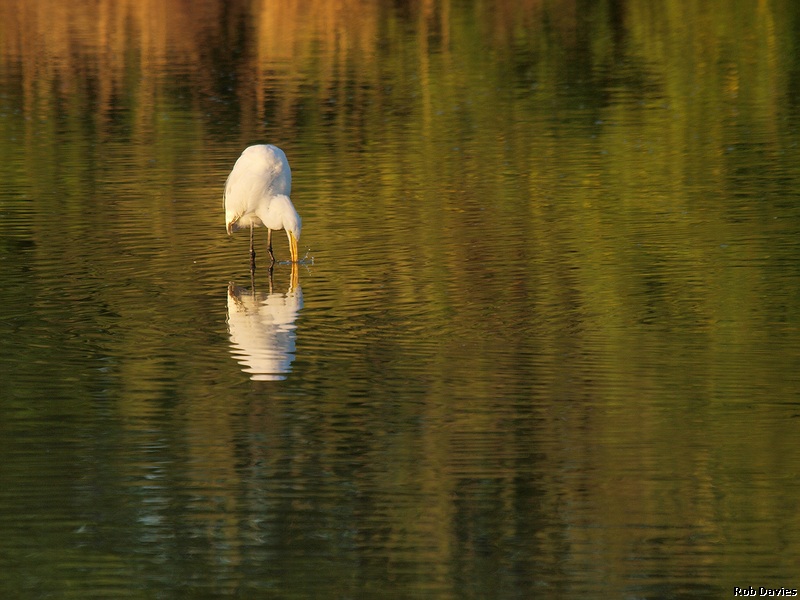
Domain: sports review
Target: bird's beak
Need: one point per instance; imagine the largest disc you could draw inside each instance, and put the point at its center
(292, 246)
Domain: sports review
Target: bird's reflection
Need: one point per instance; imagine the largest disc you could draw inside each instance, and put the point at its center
(262, 328)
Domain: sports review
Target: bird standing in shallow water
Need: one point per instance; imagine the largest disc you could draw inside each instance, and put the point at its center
(257, 194)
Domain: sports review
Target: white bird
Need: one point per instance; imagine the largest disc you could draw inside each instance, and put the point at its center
(257, 194)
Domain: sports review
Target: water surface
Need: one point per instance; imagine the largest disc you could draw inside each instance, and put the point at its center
(544, 341)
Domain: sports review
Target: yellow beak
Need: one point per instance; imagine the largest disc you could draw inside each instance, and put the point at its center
(292, 246)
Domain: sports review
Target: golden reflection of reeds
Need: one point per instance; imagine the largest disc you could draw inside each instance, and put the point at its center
(309, 37)
(63, 44)
(96, 49)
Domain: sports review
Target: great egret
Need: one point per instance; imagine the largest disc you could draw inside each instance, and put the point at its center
(257, 194)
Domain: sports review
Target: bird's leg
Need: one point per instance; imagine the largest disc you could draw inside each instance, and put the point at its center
(252, 251)
(269, 245)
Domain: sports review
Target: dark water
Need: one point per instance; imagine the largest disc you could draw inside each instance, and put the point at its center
(544, 342)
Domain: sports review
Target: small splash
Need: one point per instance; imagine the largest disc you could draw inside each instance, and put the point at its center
(306, 260)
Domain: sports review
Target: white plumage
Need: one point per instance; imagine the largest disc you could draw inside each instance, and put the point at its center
(257, 195)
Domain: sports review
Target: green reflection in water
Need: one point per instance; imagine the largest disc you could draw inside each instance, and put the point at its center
(549, 338)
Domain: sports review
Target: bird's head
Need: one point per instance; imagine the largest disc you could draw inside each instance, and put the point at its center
(282, 215)
(293, 233)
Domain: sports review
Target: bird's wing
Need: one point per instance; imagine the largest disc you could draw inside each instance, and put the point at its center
(226, 192)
